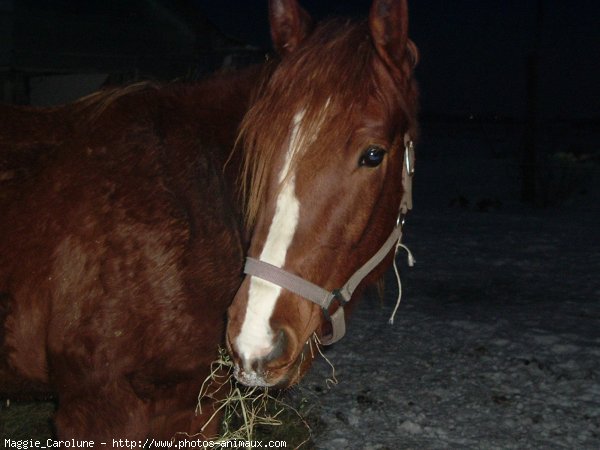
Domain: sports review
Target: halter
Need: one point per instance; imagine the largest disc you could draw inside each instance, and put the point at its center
(342, 296)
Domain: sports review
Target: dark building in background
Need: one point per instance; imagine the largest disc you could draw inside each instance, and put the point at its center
(53, 51)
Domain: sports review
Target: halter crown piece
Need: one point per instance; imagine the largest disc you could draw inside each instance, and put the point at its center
(325, 298)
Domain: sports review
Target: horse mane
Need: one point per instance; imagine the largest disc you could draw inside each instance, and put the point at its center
(333, 71)
(98, 102)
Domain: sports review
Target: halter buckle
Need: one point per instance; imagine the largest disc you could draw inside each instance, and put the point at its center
(336, 295)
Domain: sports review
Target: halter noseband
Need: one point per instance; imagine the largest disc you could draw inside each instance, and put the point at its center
(323, 297)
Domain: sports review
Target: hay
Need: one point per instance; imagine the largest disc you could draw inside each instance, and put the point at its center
(245, 409)
(331, 381)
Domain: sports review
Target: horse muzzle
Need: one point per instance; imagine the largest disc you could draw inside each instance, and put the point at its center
(274, 367)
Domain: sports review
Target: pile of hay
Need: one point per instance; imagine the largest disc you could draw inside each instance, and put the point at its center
(248, 412)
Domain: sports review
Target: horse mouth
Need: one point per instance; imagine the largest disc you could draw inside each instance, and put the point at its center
(279, 377)
(251, 379)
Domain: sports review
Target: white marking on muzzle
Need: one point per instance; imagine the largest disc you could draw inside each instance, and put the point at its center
(256, 337)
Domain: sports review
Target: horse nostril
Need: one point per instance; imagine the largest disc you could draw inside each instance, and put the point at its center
(279, 344)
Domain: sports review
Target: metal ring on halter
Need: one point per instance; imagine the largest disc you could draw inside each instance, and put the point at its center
(337, 295)
(400, 219)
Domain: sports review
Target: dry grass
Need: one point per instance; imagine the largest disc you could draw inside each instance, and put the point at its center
(248, 412)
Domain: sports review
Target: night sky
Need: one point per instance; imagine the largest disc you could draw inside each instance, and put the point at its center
(473, 53)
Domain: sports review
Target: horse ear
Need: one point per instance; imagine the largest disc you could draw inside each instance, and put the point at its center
(290, 24)
(388, 22)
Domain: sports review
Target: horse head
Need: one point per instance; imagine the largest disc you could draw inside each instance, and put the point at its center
(324, 147)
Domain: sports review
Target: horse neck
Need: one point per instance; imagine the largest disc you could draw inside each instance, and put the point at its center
(218, 104)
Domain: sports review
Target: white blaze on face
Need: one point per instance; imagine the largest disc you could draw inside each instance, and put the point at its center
(256, 337)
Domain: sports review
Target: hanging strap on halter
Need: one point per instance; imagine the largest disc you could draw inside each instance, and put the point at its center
(325, 298)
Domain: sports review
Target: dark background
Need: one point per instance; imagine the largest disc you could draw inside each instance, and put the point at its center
(509, 80)
(474, 53)
(514, 81)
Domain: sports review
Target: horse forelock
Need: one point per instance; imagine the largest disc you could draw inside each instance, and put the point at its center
(332, 75)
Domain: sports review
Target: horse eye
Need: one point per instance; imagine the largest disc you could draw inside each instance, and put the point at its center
(372, 157)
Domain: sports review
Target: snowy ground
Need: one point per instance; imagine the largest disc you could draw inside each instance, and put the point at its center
(497, 342)
(496, 345)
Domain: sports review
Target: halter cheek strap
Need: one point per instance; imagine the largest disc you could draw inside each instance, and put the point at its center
(317, 294)
(323, 297)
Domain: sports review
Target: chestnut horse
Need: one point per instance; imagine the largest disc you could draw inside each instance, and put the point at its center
(122, 239)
